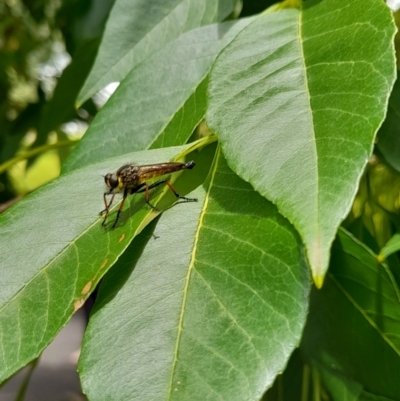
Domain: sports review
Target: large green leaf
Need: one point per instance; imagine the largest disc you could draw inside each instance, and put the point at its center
(54, 251)
(137, 29)
(354, 321)
(296, 100)
(161, 101)
(215, 317)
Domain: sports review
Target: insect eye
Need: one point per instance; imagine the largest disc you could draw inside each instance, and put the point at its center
(111, 180)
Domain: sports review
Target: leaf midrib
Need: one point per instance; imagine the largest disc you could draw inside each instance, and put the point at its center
(317, 233)
(190, 268)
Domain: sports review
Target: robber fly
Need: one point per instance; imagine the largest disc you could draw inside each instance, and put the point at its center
(130, 179)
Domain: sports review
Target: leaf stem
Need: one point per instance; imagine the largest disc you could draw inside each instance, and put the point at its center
(305, 383)
(25, 383)
(200, 143)
(283, 5)
(316, 385)
(33, 152)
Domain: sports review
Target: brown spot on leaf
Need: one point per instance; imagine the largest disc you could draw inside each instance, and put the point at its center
(87, 288)
(121, 238)
(78, 304)
(104, 264)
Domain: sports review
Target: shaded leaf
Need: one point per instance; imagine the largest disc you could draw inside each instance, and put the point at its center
(365, 396)
(354, 321)
(389, 134)
(296, 100)
(137, 29)
(340, 387)
(161, 101)
(216, 317)
(343, 388)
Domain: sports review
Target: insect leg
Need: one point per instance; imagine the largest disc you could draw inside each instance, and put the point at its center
(156, 184)
(184, 199)
(107, 207)
(147, 189)
(126, 193)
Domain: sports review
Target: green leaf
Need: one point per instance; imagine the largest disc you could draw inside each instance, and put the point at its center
(365, 396)
(354, 321)
(54, 251)
(215, 317)
(343, 388)
(161, 101)
(392, 246)
(389, 134)
(296, 100)
(340, 387)
(137, 29)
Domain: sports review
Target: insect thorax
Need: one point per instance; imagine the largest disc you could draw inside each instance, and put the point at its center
(129, 175)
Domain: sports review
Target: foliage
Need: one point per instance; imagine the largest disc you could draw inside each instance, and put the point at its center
(280, 112)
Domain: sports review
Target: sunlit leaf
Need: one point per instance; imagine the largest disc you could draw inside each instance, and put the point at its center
(296, 100)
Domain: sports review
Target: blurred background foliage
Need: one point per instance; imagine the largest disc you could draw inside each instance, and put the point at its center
(47, 48)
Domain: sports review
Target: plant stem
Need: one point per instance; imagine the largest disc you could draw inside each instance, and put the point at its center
(316, 385)
(25, 383)
(306, 383)
(33, 152)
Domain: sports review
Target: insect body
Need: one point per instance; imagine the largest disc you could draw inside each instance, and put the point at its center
(130, 179)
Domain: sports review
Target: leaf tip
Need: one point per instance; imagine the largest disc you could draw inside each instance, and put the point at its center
(318, 259)
(318, 281)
